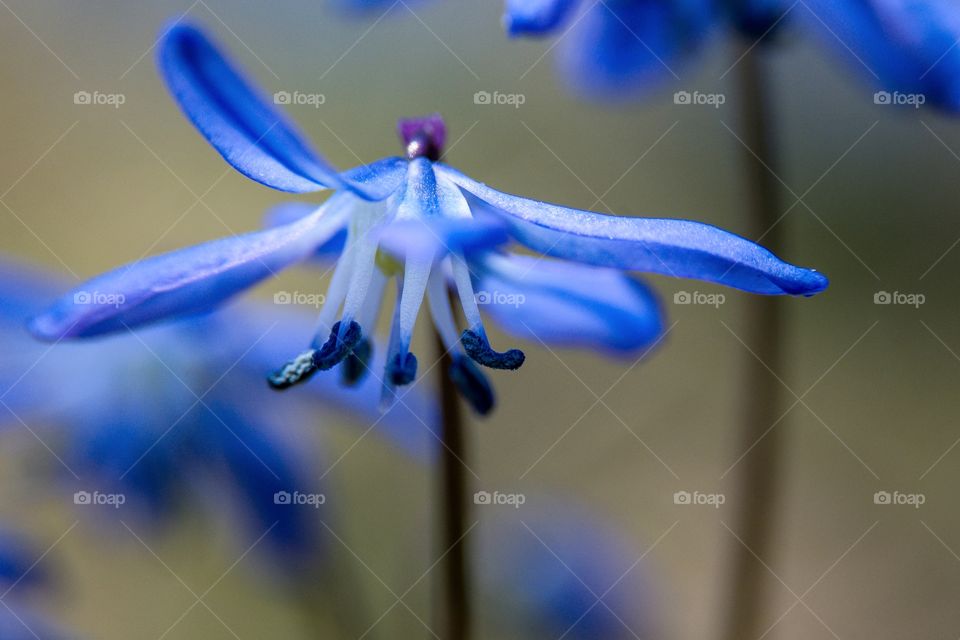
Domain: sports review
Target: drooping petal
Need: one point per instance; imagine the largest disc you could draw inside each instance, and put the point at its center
(679, 248)
(905, 46)
(184, 282)
(567, 304)
(235, 118)
(536, 17)
(622, 47)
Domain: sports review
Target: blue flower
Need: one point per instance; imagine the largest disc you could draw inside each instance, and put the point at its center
(425, 225)
(617, 48)
(620, 48)
(559, 571)
(908, 46)
(19, 569)
(158, 414)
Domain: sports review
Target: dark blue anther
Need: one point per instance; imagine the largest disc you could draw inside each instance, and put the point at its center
(337, 347)
(294, 372)
(479, 349)
(402, 369)
(472, 385)
(355, 365)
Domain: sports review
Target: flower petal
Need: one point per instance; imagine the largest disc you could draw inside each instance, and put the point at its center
(679, 248)
(568, 304)
(184, 282)
(536, 17)
(434, 219)
(240, 124)
(620, 49)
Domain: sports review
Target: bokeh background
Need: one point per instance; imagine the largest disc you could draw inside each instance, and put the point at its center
(88, 187)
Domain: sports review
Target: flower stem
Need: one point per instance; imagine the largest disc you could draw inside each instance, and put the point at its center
(453, 496)
(759, 473)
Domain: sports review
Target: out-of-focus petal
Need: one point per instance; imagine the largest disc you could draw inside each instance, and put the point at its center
(543, 572)
(257, 336)
(235, 118)
(621, 48)
(680, 248)
(905, 46)
(184, 282)
(568, 304)
(537, 17)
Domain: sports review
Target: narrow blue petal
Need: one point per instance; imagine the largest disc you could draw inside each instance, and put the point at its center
(250, 134)
(907, 47)
(567, 304)
(536, 17)
(183, 282)
(679, 248)
(618, 49)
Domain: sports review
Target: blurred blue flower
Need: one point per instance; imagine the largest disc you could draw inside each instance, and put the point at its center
(19, 569)
(557, 571)
(621, 48)
(422, 222)
(169, 414)
(616, 48)
(904, 46)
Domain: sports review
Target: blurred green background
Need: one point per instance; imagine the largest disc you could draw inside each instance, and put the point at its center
(91, 187)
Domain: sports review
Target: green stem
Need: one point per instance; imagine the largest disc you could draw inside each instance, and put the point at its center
(759, 474)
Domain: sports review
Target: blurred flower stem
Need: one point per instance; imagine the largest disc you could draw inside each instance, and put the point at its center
(758, 475)
(454, 616)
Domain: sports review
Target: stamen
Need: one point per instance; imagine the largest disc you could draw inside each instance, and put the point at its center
(472, 385)
(298, 370)
(474, 339)
(338, 346)
(356, 365)
(478, 348)
(336, 292)
(439, 302)
(402, 366)
(468, 299)
(364, 264)
(402, 369)
(389, 394)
